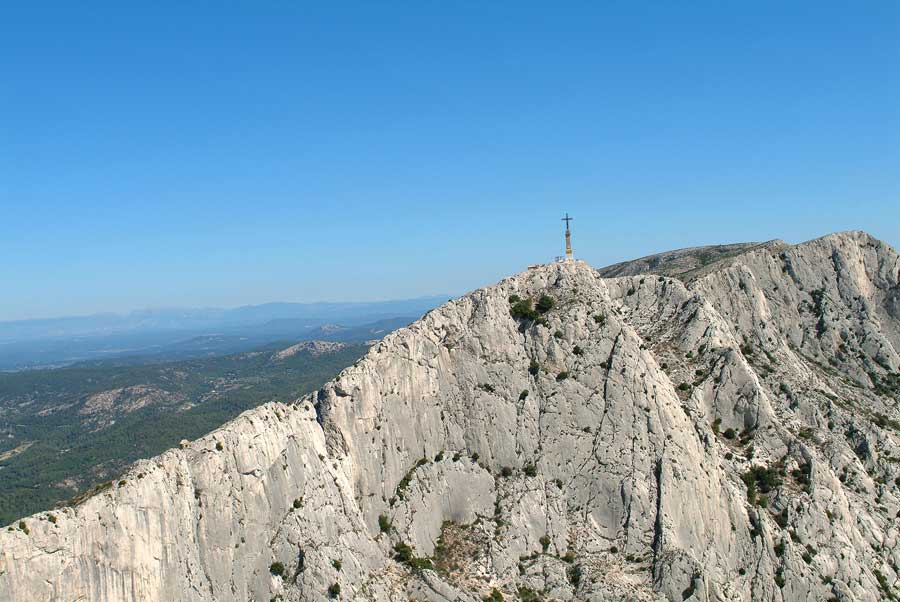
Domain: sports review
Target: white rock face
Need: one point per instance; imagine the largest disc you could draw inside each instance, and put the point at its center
(729, 436)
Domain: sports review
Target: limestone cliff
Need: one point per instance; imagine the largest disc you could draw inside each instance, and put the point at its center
(732, 435)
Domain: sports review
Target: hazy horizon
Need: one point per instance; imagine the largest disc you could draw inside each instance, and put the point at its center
(194, 156)
(448, 295)
(212, 308)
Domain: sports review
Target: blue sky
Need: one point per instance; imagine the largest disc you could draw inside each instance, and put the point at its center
(219, 154)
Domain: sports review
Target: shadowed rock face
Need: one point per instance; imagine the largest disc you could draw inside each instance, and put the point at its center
(733, 438)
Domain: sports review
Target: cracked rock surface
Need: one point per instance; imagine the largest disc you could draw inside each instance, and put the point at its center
(728, 431)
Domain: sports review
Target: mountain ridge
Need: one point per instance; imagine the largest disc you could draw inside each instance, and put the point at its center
(729, 438)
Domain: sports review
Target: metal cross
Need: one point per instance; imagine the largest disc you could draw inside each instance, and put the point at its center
(567, 219)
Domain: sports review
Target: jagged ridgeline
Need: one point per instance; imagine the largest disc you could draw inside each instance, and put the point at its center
(726, 432)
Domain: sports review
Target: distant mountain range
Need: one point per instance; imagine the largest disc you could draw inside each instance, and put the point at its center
(185, 333)
(181, 319)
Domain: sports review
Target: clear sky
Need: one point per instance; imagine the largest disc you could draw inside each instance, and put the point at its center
(226, 153)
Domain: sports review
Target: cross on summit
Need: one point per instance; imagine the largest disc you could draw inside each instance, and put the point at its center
(569, 256)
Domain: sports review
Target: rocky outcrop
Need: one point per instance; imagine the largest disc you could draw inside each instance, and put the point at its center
(103, 408)
(686, 264)
(558, 436)
(313, 348)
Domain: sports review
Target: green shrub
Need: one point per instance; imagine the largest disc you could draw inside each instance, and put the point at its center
(781, 519)
(439, 456)
(402, 552)
(514, 298)
(523, 395)
(530, 470)
(526, 594)
(277, 569)
(219, 446)
(729, 433)
(883, 582)
(494, 596)
(562, 375)
(384, 523)
(533, 368)
(523, 310)
(574, 575)
(407, 479)
(506, 471)
(762, 479)
(577, 350)
(600, 319)
(751, 489)
(766, 479)
(298, 503)
(334, 590)
(545, 304)
(336, 564)
(545, 542)
(421, 564)
(688, 591)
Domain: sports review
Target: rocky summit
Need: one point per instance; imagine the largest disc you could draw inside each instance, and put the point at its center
(721, 428)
